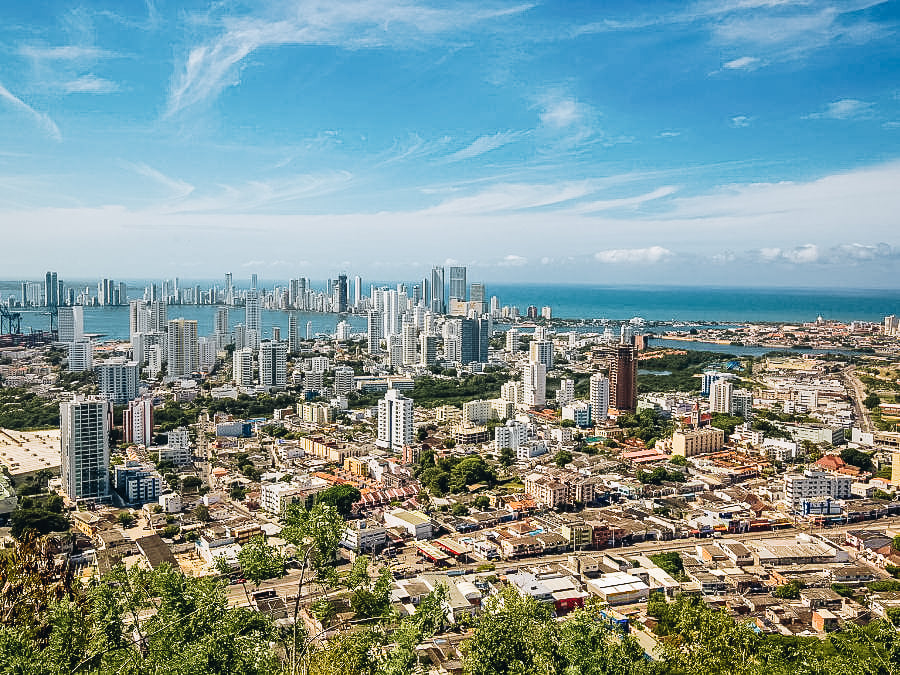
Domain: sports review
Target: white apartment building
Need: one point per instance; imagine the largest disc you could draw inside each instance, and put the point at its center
(511, 435)
(534, 384)
(81, 356)
(813, 485)
(118, 380)
(512, 340)
(566, 392)
(137, 421)
(541, 351)
(599, 397)
(183, 350)
(395, 421)
(70, 323)
(242, 367)
(720, 397)
(273, 364)
(579, 412)
(343, 380)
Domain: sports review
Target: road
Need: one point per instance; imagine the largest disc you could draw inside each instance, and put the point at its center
(858, 394)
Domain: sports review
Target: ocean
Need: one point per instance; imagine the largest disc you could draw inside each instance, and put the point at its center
(572, 301)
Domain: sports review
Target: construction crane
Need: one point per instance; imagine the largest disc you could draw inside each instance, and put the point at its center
(11, 318)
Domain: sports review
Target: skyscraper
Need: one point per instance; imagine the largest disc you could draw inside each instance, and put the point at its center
(137, 421)
(51, 290)
(476, 298)
(458, 286)
(273, 364)
(84, 448)
(395, 421)
(374, 331)
(623, 377)
(341, 288)
(409, 343)
(183, 349)
(438, 303)
(534, 384)
(118, 380)
(720, 397)
(292, 333)
(229, 289)
(70, 323)
(541, 351)
(599, 397)
(221, 325)
(242, 367)
(357, 291)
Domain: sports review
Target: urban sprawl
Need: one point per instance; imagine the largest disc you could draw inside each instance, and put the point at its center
(467, 446)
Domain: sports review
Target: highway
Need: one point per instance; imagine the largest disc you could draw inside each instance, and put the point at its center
(858, 394)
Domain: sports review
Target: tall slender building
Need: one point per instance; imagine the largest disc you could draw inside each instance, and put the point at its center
(70, 323)
(623, 364)
(252, 316)
(242, 367)
(357, 291)
(292, 333)
(395, 421)
(183, 348)
(84, 448)
(374, 331)
(476, 298)
(137, 422)
(341, 288)
(409, 343)
(458, 288)
(438, 303)
(51, 290)
(599, 397)
(273, 364)
(534, 384)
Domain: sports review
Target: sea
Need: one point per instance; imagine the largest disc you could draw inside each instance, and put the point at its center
(677, 304)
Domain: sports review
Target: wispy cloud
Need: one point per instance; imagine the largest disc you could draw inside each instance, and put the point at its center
(800, 255)
(741, 121)
(634, 256)
(90, 84)
(513, 260)
(177, 187)
(514, 197)
(624, 202)
(742, 63)
(63, 52)
(485, 144)
(43, 120)
(843, 109)
(215, 64)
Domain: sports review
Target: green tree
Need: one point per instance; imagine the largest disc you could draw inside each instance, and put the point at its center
(342, 497)
(201, 513)
(507, 457)
(872, 401)
(562, 458)
(126, 519)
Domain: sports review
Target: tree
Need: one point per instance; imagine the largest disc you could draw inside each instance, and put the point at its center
(788, 591)
(872, 401)
(36, 520)
(421, 434)
(507, 457)
(857, 458)
(342, 497)
(562, 458)
(895, 543)
(437, 480)
(191, 482)
(201, 513)
(126, 519)
(471, 470)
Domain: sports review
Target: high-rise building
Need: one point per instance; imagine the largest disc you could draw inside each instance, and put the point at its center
(623, 377)
(206, 353)
(81, 356)
(293, 342)
(252, 316)
(452, 333)
(118, 380)
(221, 325)
(566, 392)
(374, 331)
(512, 340)
(720, 397)
(137, 421)
(541, 351)
(474, 340)
(458, 286)
(438, 303)
(70, 324)
(138, 318)
(84, 448)
(242, 367)
(341, 287)
(51, 290)
(229, 289)
(599, 397)
(534, 384)
(476, 298)
(395, 421)
(182, 348)
(409, 343)
(273, 364)
(343, 380)
(158, 316)
(428, 349)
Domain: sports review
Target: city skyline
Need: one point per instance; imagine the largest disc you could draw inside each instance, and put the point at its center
(725, 143)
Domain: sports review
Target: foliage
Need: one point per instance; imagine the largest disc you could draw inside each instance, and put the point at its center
(24, 410)
(342, 497)
(430, 392)
(646, 425)
(683, 368)
(126, 519)
(39, 520)
(678, 460)
(726, 423)
(507, 457)
(843, 590)
(658, 476)
(259, 561)
(562, 458)
(883, 585)
(201, 513)
(191, 482)
(872, 401)
(671, 564)
(858, 458)
(788, 591)
(371, 600)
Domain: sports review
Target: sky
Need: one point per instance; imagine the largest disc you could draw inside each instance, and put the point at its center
(734, 142)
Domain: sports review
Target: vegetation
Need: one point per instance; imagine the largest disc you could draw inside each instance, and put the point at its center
(648, 425)
(658, 476)
(671, 564)
(173, 414)
(858, 458)
(726, 423)
(788, 591)
(562, 458)
(684, 370)
(430, 392)
(453, 474)
(23, 410)
(341, 497)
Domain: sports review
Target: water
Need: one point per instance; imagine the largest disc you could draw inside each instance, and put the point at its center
(653, 303)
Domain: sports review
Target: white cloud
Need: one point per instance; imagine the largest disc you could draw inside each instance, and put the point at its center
(741, 121)
(563, 112)
(808, 253)
(64, 53)
(625, 202)
(668, 134)
(635, 256)
(90, 84)
(843, 109)
(514, 197)
(353, 24)
(484, 144)
(43, 120)
(742, 63)
(178, 188)
(512, 260)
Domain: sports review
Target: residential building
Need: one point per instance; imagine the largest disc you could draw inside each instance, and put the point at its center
(118, 380)
(395, 421)
(136, 482)
(458, 287)
(623, 377)
(84, 448)
(438, 303)
(579, 412)
(534, 384)
(81, 356)
(511, 435)
(720, 397)
(690, 442)
(599, 397)
(70, 323)
(137, 422)
(183, 350)
(242, 367)
(566, 392)
(273, 364)
(812, 485)
(343, 380)
(541, 351)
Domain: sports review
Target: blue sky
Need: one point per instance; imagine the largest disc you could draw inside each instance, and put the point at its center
(747, 142)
